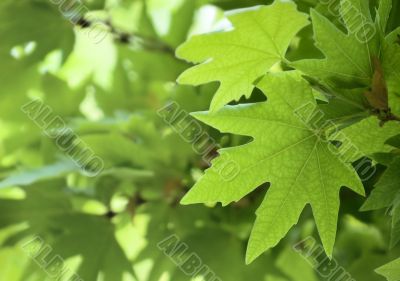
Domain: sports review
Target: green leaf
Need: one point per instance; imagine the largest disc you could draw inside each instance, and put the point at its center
(382, 18)
(366, 138)
(345, 108)
(302, 167)
(42, 202)
(386, 189)
(48, 212)
(237, 58)
(387, 195)
(25, 42)
(395, 233)
(93, 238)
(391, 68)
(347, 56)
(94, 4)
(391, 270)
(29, 177)
(295, 266)
(47, 20)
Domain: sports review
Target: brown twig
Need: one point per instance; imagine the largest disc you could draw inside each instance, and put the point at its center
(147, 43)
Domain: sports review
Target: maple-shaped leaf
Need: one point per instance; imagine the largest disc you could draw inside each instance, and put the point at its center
(347, 55)
(366, 138)
(387, 195)
(391, 270)
(301, 166)
(237, 58)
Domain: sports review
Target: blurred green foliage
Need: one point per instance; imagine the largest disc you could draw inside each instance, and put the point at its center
(108, 93)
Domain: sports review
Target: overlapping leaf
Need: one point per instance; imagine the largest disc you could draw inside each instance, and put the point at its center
(387, 195)
(237, 58)
(391, 68)
(347, 56)
(286, 151)
(366, 138)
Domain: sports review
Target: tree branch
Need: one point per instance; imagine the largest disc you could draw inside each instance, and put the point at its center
(147, 43)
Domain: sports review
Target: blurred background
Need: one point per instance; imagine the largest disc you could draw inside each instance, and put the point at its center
(92, 169)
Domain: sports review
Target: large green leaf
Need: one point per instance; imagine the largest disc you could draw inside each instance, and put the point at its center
(302, 167)
(347, 56)
(237, 58)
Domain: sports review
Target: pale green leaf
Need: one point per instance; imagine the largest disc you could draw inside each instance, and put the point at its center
(28, 177)
(296, 266)
(237, 58)
(302, 167)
